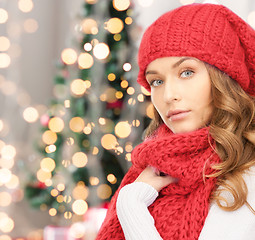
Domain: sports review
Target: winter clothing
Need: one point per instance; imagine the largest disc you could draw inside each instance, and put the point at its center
(211, 33)
(181, 208)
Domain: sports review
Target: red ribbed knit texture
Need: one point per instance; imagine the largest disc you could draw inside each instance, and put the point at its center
(209, 32)
(181, 208)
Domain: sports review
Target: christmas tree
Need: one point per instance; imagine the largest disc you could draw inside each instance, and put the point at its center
(96, 118)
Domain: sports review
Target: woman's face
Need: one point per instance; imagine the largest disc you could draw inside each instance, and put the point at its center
(181, 92)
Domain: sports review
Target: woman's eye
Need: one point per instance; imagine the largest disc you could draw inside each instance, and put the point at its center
(156, 82)
(187, 73)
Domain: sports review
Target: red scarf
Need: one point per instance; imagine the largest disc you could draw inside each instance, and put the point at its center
(181, 208)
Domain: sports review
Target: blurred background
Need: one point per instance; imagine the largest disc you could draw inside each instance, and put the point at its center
(70, 109)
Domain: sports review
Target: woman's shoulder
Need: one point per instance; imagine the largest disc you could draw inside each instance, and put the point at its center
(234, 225)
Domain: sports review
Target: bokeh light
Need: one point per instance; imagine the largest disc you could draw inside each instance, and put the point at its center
(80, 192)
(109, 141)
(101, 51)
(127, 67)
(13, 183)
(111, 178)
(42, 176)
(114, 25)
(5, 199)
(122, 129)
(87, 47)
(4, 43)
(69, 56)
(79, 207)
(8, 151)
(80, 159)
(56, 124)
(3, 15)
(76, 124)
(30, 25)
(25, 5)
(49, 137)
(121, 5)
(30, 114)
(5, 59)
(104, 191)
(47, 164)
(85, 61)
(89, 26)
(78, 87)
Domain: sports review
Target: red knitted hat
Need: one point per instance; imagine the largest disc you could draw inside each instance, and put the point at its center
(211, 33)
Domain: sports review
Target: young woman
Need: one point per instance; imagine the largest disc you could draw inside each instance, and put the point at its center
(193, 177)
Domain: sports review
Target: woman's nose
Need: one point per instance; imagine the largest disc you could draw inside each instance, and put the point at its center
(171, 92)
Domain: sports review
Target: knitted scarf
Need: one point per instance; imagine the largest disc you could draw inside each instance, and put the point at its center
(181, 208)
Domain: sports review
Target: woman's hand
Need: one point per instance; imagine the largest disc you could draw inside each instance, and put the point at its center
(152, 177)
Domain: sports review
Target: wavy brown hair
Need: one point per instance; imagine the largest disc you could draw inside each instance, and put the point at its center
(232, 127)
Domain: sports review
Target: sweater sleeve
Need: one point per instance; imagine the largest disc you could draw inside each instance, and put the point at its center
(133, 214)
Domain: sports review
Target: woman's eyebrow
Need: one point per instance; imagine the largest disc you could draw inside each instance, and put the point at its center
(178, 63)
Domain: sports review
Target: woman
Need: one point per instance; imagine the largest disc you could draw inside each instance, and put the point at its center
(193, 177)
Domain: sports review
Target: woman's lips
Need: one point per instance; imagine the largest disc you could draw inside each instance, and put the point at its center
(177, 115)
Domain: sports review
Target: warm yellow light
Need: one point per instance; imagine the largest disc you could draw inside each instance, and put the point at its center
(76, 124)
(47, 164)
(6, 225)
(101, 51)
(140, 97)
(145, 92)
(61, 187)
(67, 103)
(119, 95)
(67, 198)
(4, 43)
(91, 1)
(128, 157)
(111, 178)
(136, 123)
(94, 181)
(121, 5)
(114, 25)
(87, 47)
(30, 114)
(56, 124)
(149, 111)
(7, 163)
(87, 83)
(54, 192)
(122, 129)
(30, 25)
(8, 152)
(6, 237)
(128, 20)
(69, 56)
(110, 94)
(89, 26)
(52, 212)
(68, 215)
(60, 199)
(127, 67)
(78, 87)
(130, 91)
(85, 60)
(49, 137)
(5, 199)
(87, 130)
(128, 147)
(80, 159)
(3, 15)
(79, 207)
(50, 149)
(80, 192)
(124, 84)
(5, 59)
(95, 151)
(109, 141)
(42, 176)
(13, 183)
(25, 5)
(111, 77)
(104, 191)
(117, 37)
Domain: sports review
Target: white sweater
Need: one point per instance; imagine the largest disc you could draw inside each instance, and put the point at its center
(138, 224)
